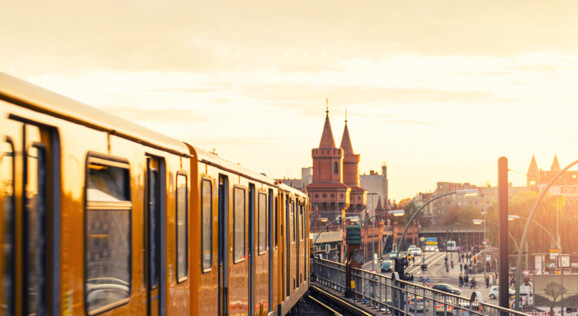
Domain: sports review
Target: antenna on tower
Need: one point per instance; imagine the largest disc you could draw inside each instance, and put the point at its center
(346, 116)
(327, 105)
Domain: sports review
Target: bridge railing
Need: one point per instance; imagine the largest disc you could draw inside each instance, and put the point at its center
(399, 297)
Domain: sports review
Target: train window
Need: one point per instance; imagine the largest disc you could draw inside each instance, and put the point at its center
(262, 229)
(35, 231)
(7, 226)
(239, 224)
(182, 228)
(302, 223)
(294, 219)
(108, 234)
(207, 229)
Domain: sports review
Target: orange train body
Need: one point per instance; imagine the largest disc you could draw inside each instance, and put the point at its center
(102, 216)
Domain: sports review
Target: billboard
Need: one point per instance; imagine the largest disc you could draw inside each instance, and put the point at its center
(431, 241)
(552, 290)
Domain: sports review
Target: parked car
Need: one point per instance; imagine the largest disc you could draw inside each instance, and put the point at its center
(386, 266)
(494, 292)
(446, 288)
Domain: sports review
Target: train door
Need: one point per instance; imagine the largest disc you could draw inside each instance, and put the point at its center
(272, 211)
(154, 235)
(29, 169)
(251, 247)
(297, 235)
(223, 245)
(288, 238)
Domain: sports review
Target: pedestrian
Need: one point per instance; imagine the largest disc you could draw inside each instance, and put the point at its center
(462, 256)
(461, 268)
(487, 280)
(466, 268)
(466, 279)
(461, 280)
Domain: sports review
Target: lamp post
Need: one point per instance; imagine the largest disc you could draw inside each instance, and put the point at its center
(372, 230)
(466, 191)
(395, 213)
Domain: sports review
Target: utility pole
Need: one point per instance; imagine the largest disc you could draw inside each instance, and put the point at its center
(503, 232)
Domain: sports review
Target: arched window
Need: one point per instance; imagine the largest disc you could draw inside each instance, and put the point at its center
(335, 168)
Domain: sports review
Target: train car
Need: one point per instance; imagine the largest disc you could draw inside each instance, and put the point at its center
(99, 215)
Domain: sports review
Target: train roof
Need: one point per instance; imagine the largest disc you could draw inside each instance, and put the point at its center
(212, 159)
(25, 94)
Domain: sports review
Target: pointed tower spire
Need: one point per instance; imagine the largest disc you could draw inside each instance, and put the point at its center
(533, 174)
(327, 140)
(346, 140)
(533, 170)
(555, 165)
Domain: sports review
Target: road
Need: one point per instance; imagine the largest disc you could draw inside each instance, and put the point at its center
(437, 273)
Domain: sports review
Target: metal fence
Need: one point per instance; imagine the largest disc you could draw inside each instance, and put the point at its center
(398, 297)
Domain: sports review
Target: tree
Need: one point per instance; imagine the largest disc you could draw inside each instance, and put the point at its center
(554, 290)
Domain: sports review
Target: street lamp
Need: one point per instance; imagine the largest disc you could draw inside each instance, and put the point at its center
(467, 192)
(394, 213)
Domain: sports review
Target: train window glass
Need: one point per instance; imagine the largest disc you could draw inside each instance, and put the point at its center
(302, 222)
(108, 234)
(207, 229)
(239, 224)
(294, 220)
(35, 231)
(7, 227)
(182, 228)
(262, 229)
(154, 221)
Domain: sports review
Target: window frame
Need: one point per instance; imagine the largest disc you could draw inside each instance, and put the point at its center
(236, 189)
(117, 162)
(204, 181)
(262, 212)
(186, 274)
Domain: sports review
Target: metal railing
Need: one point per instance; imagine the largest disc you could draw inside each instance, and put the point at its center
(399, 297)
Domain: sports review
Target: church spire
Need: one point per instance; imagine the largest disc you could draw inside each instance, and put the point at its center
(346, 140)
(555, 165)
(327, 140)
(533, 170)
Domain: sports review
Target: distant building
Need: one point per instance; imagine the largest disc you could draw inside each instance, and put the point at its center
(300, 184)
(435, 212)
(376, 183)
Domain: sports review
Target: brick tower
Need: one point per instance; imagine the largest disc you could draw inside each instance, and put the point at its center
(358, 195)
(328, 194)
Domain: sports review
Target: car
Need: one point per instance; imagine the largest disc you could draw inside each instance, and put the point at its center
(417, 304)
(443, 309)
(386, 266)
(393, 255)
(416, 252)
(431, 248)
(494, 292)
(444, 287)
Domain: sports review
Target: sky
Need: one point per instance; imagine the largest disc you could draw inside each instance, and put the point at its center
(437, 90)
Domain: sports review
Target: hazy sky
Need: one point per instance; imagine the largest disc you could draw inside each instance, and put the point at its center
(438, 90)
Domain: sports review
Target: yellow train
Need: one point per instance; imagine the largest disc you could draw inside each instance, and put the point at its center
(102, 216)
